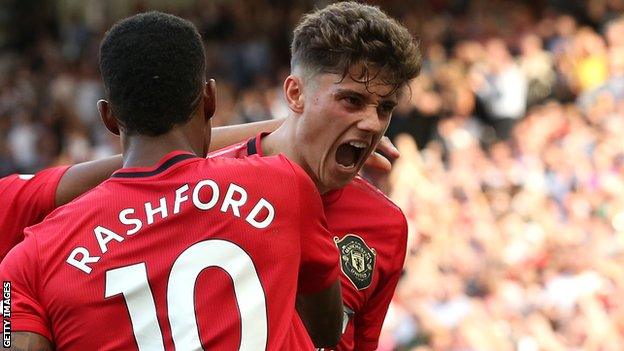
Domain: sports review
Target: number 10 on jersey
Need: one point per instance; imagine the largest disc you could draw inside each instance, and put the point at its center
(132, 282)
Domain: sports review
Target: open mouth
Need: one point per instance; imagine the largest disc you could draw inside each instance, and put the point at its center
(349, 154)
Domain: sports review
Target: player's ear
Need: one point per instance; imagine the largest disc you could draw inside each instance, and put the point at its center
(107, 116)
(293, 91)
(210, 99)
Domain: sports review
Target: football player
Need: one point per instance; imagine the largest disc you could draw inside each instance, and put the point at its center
(350, 65)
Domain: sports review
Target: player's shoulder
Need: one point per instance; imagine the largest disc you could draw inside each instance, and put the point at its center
(13, 182)
(262, 165)
(362, 189)
(17, 182)
(378, 210)
(71, 215)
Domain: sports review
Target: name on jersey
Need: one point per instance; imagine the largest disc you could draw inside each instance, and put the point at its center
(136, 219)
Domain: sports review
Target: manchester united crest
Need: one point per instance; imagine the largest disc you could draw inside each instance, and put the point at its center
(357, 260)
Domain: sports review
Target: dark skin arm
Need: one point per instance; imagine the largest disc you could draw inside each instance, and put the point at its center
(24, 341)
(321, 314)
(82, 177)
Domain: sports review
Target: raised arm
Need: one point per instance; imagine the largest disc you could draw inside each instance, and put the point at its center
(228, 135)
(82, 177)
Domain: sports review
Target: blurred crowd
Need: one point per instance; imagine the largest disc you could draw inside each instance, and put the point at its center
(512, 164)
(512, 178)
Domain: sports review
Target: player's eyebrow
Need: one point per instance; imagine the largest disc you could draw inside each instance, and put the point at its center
(390, 103)
(366, 97)
(346, 91)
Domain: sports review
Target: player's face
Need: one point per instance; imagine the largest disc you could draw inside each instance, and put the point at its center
(342, 122)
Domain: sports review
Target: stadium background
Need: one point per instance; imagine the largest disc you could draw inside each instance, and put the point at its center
(512, 153)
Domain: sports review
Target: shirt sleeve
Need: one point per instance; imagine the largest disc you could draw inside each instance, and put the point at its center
(369, 320)
(319, 256)
(19, 272)
(30, 198)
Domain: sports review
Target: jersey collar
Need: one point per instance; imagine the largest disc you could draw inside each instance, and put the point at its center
(164, 164)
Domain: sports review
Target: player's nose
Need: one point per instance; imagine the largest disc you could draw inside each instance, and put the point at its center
(370, 121)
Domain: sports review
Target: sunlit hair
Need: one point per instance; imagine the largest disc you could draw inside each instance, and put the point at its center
(343, 35)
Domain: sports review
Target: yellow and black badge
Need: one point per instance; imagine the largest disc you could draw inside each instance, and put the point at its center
(357, 260)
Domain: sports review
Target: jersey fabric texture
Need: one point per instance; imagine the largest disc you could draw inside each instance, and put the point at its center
(26, 200)
(191, 253)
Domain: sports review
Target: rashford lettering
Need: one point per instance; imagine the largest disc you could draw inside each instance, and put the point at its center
(204, 196)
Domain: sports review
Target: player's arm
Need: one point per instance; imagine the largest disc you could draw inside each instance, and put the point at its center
(82, 177)
(318, 312)
(25, 341)
(228, 135)
(319, 300)
(369, 320)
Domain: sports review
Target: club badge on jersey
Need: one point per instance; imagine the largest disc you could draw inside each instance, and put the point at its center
(357, 260)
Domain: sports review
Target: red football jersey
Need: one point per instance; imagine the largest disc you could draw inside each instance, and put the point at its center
(191, 253)
(370, 232)
(26, 200)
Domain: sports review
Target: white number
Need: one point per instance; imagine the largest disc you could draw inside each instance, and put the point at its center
(131, 281)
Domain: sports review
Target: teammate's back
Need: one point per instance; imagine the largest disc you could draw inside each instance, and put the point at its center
(191, 252)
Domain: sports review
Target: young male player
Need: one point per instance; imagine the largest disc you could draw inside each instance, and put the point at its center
(350, 65)
(174, 250)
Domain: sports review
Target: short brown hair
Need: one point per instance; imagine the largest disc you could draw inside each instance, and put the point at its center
(335, 38)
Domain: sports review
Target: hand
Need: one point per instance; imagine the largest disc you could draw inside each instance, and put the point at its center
(377, 162)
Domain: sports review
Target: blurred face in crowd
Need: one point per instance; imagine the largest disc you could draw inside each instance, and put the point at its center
(340, 122)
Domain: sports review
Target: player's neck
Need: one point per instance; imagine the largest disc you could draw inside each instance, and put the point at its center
(284, 140)
(146, 151)
(281, 141)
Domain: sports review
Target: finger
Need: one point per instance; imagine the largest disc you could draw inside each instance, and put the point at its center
(386, 147)
(378, 163)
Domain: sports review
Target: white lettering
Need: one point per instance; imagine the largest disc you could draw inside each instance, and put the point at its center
(230, 201)
(179, 198)
(103, 240)
(82, 263)
(261, 216)
(130, 221)
(150, 212)
(251, 218)
(215, 195)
